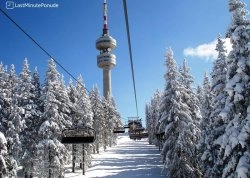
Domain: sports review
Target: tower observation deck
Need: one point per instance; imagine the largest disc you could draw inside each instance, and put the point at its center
(106, 60)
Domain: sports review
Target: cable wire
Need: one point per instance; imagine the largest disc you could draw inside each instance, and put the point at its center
(44, 50)
(64, 69)
(130, 52)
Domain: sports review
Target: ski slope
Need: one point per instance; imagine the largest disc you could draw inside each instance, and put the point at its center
(128, 159)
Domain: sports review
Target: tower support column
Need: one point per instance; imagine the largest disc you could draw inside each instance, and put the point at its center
(106, 59)
(107, 92)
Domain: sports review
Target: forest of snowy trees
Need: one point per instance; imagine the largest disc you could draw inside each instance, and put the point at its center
(207, 130)
(201, 132)
(33, 116)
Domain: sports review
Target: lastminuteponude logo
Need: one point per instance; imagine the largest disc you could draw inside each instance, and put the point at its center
(13, 5)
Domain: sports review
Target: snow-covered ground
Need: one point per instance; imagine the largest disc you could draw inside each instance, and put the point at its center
(128, 159)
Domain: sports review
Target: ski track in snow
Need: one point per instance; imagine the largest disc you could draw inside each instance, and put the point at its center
(129, 159)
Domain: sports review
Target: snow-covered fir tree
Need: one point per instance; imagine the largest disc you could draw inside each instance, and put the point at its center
(83, 118)
(5, 100)
(190, 99)
(200, 94)
(179, 150)
(235, 147)
(189, 96)
(216, 125)
(52, 154)
(64, 103)
(152, 112)
(115, 121)
(98, 117)
(26, 99)
(8, 81)
(206, 109)
(73, 99)
(112, 119)
(106, 127)
(12, 80)
(148, 120)
(8, 165)
(14, 123)
(37, 105)
(3, 155)
(33, 117)
(206, 99)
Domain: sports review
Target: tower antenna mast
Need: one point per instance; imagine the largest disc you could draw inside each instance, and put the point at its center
(106, 60)
(105, 18)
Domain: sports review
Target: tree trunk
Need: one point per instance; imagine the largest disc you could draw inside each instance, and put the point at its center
(73, 157)
(50, 173)
(83, 160)
(97, 146)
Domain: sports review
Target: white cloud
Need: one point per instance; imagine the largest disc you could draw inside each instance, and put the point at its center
(207, 51)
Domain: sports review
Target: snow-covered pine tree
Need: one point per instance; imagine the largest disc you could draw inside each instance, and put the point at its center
(179, 150)
(71, 90)
(206, 109)
(216, 125)
(200, 94)
(110, 117)
(83, 118)
(26, 99)
(5, 99)
(85, 115)
(235, 147)
(190, 97)
(148, 119)
(8, 82)
(115, 121)
(98, 117)
(14, 123)
(12, 81)
(3, 155)
(65, 105)
(153, 115)
(38, 108)
(106, 126)
(52, 154)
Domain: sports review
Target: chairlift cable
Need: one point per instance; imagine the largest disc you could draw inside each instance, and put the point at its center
(49, 55)
(130, 52)
(44, 50)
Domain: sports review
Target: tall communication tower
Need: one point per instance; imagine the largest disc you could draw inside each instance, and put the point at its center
(106, 60)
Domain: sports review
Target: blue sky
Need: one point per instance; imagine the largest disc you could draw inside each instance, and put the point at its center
(69, 33)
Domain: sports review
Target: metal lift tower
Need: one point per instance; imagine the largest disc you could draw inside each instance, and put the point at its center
(106, 60)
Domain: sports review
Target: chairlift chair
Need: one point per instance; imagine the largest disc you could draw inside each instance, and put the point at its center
(126, 126)
(119, 130)
(138, 135)
(78, 135)
(140, 129)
